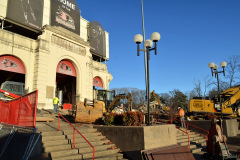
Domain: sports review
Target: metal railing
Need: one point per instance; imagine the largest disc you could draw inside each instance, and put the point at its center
(187, 124)
(74, 129)
(178, 129)
(14, 129)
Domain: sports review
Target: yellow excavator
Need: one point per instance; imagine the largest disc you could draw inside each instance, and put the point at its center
(230, 103)
(161, 106)
(118, 98)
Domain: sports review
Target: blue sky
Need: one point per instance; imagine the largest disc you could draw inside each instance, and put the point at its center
(193, 33)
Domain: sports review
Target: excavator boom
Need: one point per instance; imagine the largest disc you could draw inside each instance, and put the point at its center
(119, 97)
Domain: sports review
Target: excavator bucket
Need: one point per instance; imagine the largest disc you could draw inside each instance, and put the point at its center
(87, 113)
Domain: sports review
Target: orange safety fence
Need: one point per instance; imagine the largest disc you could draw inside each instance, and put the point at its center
(21, 111)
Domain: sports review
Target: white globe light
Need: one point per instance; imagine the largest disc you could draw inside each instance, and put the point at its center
(148, 43)
(223, 64)
(215, 67)
(155, 36)
(211, 65)
(138, 38)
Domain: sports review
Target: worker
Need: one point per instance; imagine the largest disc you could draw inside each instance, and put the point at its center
(55, 104)
(181, 115)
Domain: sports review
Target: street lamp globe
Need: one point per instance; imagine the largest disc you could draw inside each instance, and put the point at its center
(138, 38)
(215, 67)
(148, 43)
(155, 36)
(223, 64)
(211, 65)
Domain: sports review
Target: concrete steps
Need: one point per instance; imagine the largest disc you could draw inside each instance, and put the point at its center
(98, 154)
(197, 142)
(79, 151)
(52, 148)
(58, 144)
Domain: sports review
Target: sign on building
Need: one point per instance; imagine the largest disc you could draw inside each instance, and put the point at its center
(26, 12)
(65, 13)
(97, 39)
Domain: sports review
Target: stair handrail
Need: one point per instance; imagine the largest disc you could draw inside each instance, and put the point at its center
(192, 126)
(178, 129)
(74, 129)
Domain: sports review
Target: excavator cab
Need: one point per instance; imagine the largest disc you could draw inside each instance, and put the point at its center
(107, 96)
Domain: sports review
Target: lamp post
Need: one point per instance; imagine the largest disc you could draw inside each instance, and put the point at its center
(215, 72)
(138, 38)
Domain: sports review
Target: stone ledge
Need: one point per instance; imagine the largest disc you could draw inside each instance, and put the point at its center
(133, 138)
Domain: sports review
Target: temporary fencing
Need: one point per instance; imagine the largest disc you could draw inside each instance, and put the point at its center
(21, 111)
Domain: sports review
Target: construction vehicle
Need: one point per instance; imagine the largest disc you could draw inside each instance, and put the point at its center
(118, 98)
(161, 106)
(230, 99)
(90, 111)
(110, 99)
(11, 90)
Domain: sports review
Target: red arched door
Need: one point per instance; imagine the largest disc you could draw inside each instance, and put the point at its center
(11, 69)
(66, 83)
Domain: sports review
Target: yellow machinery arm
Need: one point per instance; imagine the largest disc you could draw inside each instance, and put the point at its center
(153, 92)
(118, 97)
(162, 106)
(231, 98)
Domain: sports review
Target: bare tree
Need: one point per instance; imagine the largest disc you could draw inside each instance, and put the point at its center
(190, 94)
(197, 87)
(207, 83)
(138, 96)
(233, 69)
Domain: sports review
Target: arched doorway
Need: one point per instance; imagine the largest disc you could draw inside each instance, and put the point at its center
(66, 83)
(97, 82)
(12, 73)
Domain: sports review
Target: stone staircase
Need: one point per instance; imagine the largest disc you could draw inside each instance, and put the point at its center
(197, 143)
(58, 144)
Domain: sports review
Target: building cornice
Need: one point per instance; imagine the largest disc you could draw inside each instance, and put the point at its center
(68, 34)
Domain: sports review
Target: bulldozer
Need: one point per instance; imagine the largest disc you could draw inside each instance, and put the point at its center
(91, 110)
(230, 100)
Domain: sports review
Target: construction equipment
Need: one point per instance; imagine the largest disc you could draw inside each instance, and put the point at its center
(230, 99)
(161, 106)
(107, 96)
(118, 98)
(110, 100)
(89, 111)
(11, 90)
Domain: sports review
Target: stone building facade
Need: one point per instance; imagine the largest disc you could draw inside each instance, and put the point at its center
(41, 58)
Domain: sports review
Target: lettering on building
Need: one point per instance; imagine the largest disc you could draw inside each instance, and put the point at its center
(68, 4)
(70, 46)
